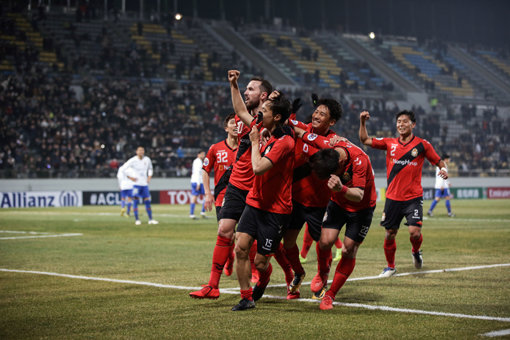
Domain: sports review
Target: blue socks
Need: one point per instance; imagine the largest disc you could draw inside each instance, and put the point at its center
(129, 207)
(192, 209)
(434, 202)
(448, 206)
(122, 204)
(135, 208)
(148, 208)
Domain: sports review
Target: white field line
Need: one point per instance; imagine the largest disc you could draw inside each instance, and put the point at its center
(409, 273)
(229, 291)
(33, 234)
(502, 332)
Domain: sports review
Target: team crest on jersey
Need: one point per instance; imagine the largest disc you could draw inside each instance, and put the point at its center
(414, 152)
(346, 177)
(294, 122)
(206, 161)
(312, 137)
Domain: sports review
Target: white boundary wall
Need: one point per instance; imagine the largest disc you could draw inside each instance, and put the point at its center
(110, 184)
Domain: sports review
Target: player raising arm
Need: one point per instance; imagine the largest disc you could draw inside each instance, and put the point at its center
(404, 194)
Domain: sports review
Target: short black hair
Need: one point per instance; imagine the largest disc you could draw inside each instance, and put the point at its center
(334, 107)
(325, 162)
(228, 118)
(408, 113)
(445, 156)
(280, 105)
(265, 86)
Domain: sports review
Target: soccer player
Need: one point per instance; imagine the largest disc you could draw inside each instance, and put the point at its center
(268, 203)
(307, 244)
(404, 195)
(310, 195)
(350, 176)
(141, 165)
(197, 185)
(241, 180)
(220, 157)
(442, 187)
(126, 191)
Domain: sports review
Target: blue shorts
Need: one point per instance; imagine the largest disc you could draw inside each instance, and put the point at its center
(442, 193)
(141, 191)
(126, 193)
(197, 191)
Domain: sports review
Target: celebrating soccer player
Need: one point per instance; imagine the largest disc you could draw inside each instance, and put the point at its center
(268, 203)
(350, 176)
(220, 157)
(142, 167)
(404, 195)
(310, 195)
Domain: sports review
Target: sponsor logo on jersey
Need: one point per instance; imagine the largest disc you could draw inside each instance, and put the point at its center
(346, 177)
(312, 137)
(414, 153)
(294, 122)
(404, 162)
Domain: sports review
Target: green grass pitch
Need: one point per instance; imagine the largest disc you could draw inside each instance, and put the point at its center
(178, 251)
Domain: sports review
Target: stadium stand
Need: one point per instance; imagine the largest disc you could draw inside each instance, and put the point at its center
(79, 93)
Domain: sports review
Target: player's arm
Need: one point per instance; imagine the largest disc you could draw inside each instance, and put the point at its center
(209, 198)
(259, 164)
(312, 139)
(149, 172)
(363, 134)
(237, 101)
(443, 172)
(352, 194)
(124, 169)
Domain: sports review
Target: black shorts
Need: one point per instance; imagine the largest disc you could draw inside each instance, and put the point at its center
(357, 223)
(265, 227)
(233, 203)
(311, 215)
(395, 211)
(218, 213)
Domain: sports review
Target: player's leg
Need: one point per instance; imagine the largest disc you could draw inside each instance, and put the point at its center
(281, 257)
(202, 193)
(307, 244)
(243, 245)
(447, 203)
(135, 204)
(147, 201)
(391, 218)
(437, 197)
(122, 203)
(358, 224)
(414, 215)
(194, 198)
(129, 204)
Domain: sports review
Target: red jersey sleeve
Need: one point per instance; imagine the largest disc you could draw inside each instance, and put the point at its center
(297, 123)
(430, 153)
(319, 142)
(379, 143)
(281, 148)
(209, 160)
(359, 172)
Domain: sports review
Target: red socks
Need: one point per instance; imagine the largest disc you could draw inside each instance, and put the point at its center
(416, 243)
(342, 272)
(293, 257)
(247, 294)
(307, 242)
(338, 243)
(265, 276)
(220, 255)
(324, 258)
(281, 257)
(390, 247)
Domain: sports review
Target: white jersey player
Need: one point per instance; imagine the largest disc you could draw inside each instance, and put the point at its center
(141, 165)
(197, 185)
(442, 187)
(126, 189)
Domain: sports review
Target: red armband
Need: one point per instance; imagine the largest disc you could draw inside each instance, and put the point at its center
(344, 190)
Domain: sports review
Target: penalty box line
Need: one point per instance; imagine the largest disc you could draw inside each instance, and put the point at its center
(345, 304)
(33, 234)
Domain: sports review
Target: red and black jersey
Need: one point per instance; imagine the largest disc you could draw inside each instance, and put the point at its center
(404, 164)
(242, 171)
(272, 191)
(308, 189)
(357, 173)
(220, 157)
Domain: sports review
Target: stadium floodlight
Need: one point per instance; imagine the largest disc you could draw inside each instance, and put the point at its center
(178, 16)
(371, 35)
